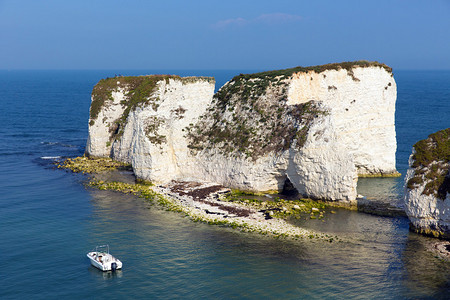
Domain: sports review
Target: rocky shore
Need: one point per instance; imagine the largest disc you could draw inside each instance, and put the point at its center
(212, 203)
(217, 205)
(441, 249)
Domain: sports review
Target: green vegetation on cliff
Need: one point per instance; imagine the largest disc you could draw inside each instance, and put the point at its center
(348, 65)
(431, 164)
(249, 114)
(251, 117)
(139, 91)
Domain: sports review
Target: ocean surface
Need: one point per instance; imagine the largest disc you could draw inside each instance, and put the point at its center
(49, 220)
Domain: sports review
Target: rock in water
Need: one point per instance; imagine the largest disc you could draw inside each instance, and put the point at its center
(318, 127)
(427, 186)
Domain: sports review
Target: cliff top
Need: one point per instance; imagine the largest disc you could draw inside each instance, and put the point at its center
(138, 90)
(349, 65)
(251, 86)
(140, 87)
(431, 163)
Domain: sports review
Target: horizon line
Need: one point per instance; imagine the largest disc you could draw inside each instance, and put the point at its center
(184, 69)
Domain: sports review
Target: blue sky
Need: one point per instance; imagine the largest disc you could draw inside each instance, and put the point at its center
(207, 34)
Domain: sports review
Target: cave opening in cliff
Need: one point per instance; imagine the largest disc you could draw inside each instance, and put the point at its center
(289, 190)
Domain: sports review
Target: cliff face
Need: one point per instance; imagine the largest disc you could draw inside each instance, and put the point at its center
(318, 127)
(362, 106)
(427, 185)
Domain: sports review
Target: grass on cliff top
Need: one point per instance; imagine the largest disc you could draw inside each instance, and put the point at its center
(348, 65)
(138, 90)
(431, 163)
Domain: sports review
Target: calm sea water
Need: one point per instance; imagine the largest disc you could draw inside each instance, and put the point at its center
(49, 220)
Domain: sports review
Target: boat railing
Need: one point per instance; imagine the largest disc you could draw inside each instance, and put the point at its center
(106, 247)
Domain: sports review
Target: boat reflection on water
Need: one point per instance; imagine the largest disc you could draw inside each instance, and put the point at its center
(106, 275)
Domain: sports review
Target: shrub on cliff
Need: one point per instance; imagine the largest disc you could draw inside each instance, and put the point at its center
(431, 163)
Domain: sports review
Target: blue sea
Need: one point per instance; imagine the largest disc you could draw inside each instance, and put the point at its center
(49, 220)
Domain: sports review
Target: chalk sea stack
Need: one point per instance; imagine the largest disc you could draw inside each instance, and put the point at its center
(427, 185)
(318, 128)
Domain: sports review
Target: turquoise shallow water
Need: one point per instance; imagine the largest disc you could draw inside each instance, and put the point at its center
(49, 220)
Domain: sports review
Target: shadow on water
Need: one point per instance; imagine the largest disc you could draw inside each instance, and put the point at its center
(426, 275)
(382, 196)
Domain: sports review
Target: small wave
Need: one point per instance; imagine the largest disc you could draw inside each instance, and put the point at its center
(51, 157)
(49, 143)
(69, 146)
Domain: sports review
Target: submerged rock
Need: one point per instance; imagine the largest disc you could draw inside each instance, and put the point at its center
(317, 127)
(427, 186)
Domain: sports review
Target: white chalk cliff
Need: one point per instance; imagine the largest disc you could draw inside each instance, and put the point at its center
(427, 186)
(319, 127)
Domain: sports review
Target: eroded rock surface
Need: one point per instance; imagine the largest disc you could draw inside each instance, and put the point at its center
(319, 127)
(427, 186)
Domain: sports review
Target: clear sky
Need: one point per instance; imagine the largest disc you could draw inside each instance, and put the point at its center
(208, 34)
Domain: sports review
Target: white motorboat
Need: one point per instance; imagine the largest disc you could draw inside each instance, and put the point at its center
(101, 259)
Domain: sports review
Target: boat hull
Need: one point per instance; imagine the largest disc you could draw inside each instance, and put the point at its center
(104, 261)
